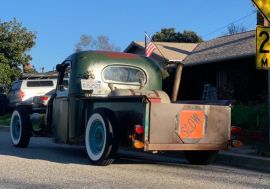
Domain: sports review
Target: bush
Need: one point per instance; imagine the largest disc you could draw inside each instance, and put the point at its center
(263, 150)
(252, 117)
(5, 119)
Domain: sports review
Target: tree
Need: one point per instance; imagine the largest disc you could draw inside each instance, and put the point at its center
(102, 42)
(15, 43)
(234, 29)
(8, 75)
(170, 35)
(30, 69)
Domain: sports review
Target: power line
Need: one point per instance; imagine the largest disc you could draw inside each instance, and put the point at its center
(221, 28)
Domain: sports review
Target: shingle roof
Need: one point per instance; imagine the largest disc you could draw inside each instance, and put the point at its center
(223, 48)
(171, 51)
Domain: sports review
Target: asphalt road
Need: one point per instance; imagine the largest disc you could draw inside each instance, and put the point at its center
(47, 165)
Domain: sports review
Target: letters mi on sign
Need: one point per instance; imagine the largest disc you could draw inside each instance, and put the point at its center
(263, 47)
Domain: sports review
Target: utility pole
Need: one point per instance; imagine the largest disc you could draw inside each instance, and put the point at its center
(262, 53)
(266, 24)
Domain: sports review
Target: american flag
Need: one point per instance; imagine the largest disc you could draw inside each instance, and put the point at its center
(150, 46)
(149, 49)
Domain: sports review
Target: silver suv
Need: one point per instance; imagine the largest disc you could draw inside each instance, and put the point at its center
(23, 91)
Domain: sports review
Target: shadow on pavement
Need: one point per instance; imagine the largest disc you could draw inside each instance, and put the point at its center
(44, 149)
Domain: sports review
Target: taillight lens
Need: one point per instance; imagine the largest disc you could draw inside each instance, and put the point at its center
(138, 144)
(43, 98)
(139, 129)
(235, 130)
(21, 94)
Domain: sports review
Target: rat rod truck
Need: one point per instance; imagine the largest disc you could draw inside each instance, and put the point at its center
(116, 100)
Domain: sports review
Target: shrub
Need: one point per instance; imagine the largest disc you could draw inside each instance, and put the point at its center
(252, 117)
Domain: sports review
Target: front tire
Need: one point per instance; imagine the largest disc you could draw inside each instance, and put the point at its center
(200, 157)
(100, 139)
(20, 125)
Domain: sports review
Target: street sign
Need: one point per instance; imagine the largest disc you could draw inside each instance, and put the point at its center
(263, 47)
(264, 7)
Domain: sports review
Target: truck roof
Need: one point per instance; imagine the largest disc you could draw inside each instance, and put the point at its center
(111, 57)
(95, 62)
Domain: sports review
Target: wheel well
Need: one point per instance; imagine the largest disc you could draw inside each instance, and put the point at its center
(26, 107)
(111, 115)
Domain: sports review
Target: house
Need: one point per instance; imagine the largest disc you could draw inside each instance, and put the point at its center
(227, 63)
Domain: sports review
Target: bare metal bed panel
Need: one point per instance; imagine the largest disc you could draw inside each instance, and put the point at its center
(165, 124)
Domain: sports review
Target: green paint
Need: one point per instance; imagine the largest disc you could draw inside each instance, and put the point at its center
(146, 122)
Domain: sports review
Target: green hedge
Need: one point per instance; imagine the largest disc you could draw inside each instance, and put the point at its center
(5, 119)
(253, 117)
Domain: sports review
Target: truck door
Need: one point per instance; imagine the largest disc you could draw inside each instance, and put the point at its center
(61, 106)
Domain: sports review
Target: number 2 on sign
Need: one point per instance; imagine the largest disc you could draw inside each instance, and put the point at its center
(266, 39)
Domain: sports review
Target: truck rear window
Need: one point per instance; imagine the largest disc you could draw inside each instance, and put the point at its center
(123, 74)
(39, 84)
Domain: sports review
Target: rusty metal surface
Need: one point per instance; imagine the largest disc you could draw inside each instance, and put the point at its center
(163, 124)
(171, 147)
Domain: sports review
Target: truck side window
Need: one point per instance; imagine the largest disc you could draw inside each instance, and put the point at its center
(63, 77)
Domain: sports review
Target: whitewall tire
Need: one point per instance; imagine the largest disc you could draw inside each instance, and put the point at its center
(100, 139)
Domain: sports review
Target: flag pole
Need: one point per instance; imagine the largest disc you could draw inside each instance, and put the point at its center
(145, 43)
(146, 36)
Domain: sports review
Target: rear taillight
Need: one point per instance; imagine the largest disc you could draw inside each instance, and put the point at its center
(235, 130)
(43, 98)
(139, 129)
(21, 94)
(137, 137)
(138, 144)
(236, 134)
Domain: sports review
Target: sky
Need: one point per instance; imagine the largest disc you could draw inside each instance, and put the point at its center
(60, 23)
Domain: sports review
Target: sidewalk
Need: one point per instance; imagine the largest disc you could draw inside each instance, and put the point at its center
(244, 157)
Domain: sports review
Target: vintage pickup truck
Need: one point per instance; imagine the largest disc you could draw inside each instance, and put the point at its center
(116, 100)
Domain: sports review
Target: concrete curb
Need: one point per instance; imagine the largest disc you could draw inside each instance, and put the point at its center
(225, 158)
(244, 161)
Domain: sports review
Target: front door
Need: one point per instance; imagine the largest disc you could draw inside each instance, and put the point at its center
(60, 116)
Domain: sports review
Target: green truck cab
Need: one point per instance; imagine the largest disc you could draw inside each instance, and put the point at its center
(116, 100)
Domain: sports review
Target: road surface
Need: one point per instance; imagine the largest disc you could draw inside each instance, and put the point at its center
(47, 165)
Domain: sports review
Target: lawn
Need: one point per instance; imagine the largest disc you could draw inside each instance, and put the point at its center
(5, 119)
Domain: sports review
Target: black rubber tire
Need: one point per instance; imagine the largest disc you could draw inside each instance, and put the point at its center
(20, 122)
(110, 146)
(200, 157)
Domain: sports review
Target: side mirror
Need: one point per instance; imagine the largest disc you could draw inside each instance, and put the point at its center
(59, 67)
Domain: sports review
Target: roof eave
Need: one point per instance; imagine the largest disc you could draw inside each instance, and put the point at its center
(219, 60)
(133, 43)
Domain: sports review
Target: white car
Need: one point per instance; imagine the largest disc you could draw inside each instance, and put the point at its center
(23, 91)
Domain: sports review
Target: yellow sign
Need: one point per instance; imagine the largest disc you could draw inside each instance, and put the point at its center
(264, 7)
(263, 47)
